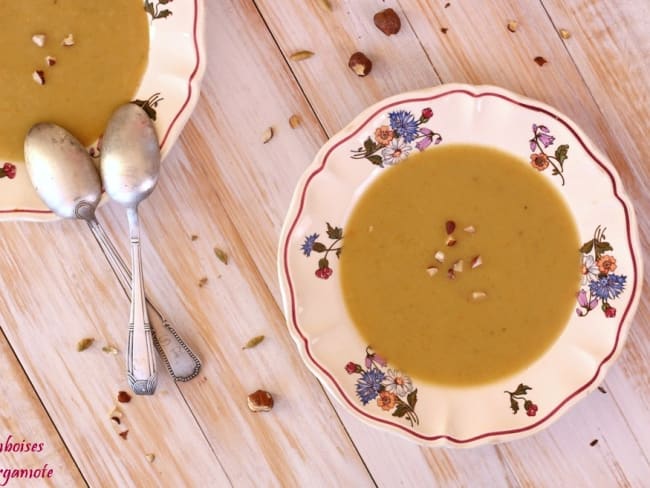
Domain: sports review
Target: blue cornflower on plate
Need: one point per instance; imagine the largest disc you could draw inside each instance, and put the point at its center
(308, 245)
(404, 124)
(369, 384)
(608, 287)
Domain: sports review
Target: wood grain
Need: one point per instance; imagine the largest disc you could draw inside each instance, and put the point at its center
(227, 188)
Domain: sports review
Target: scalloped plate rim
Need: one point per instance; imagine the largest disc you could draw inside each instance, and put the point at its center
(296, 207)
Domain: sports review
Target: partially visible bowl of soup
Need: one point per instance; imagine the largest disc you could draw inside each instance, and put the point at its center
(446, 250)
(72, 63)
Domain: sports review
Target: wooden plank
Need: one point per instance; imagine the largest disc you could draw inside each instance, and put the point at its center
(79, 389)
(23, 421)
(219, 160)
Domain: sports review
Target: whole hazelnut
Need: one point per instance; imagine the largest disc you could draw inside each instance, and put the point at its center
(360, 64)
(387, 21)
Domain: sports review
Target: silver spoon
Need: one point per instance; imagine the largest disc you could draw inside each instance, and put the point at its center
(67, 181)
(130, 165)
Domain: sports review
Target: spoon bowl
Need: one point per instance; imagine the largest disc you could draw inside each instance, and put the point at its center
(62, 171)
(130, 162)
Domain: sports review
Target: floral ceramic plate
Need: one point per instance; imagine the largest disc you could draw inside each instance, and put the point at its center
(314, 235)
(168, 92)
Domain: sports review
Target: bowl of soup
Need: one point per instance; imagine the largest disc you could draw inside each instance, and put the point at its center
(459, 265)
(72, 63)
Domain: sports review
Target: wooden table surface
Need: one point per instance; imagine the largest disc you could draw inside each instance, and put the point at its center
(223, 185)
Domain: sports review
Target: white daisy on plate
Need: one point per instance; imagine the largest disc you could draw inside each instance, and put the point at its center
(397, 382)
(589, 269)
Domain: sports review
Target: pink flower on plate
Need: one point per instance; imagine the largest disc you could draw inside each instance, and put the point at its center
(352, 368)
(429, 138)
(324, 273)
(531, 408)
(8, 170)
(610, 312)
(427, 113)
(374, 358)
(585, 304)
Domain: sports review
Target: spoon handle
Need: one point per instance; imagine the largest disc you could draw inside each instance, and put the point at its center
(180, 361)
(140, 361)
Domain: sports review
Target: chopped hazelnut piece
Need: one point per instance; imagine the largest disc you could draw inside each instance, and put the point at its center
(68, 40)
(202, 282)
(564, 34)
(541, 61)
(39, 77)
(260, 401)
(470, 229)
(512, 25)
(123, 397)
(478, 295)
(439, 256)
(50, 60)
(432, 270)
(458, 266)
(124, 434)
(450, 226)
(476, 261)
(450, 241)
(39, 39)
(360, 64)
(116, 415)
(150, 456)
(451, 274)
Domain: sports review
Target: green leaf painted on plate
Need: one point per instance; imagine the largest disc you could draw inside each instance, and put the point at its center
(521, 389)
(602, 246)
(587, 247)
(401, 410)
(370, 146)
(412, 398)
(334, 232)
(319, 247)
(375, 159)
(561, 154)
(514, 405)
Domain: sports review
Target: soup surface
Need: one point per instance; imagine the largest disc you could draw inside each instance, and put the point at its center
(483, 322)
(100, 71)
